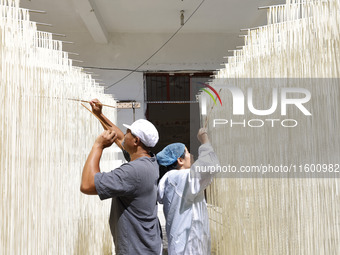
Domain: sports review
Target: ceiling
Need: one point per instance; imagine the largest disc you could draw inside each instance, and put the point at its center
(103, 18)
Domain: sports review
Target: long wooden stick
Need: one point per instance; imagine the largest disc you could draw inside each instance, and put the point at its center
(116, 141)
(84, 101)
(96, 117)
(78, 100)
(207, 118)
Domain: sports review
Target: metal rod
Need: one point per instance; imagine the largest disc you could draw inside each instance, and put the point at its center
(264, 7)
(252, 28)
(37, 11)
(75, 60)
(62, 35)
(73, 53)
(58, 41)
(43, 24)
(66, 42)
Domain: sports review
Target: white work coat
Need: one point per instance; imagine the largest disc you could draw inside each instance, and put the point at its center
(185, 209)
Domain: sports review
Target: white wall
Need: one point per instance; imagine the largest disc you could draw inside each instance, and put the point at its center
(185, 51)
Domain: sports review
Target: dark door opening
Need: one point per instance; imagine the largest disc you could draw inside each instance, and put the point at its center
(172, 107)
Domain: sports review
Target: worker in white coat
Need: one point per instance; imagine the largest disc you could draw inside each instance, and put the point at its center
(181, 191)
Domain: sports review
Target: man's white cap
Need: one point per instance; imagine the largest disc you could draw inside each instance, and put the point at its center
(145, 131)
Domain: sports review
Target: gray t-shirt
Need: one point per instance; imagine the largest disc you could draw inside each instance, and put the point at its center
(133, 219)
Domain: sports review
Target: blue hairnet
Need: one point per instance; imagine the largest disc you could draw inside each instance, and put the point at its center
(170, 154)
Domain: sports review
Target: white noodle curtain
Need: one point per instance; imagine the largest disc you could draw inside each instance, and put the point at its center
(44, 141)
(280, 215)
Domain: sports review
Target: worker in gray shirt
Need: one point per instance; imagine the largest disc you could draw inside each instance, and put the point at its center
(132, 186)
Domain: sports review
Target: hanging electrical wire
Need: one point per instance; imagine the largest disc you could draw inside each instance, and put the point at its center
(160, 48)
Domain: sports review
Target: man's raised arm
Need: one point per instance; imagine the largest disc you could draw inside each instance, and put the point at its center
(97, 110)
(91, 167)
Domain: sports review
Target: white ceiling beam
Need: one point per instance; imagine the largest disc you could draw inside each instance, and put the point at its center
(92, 20)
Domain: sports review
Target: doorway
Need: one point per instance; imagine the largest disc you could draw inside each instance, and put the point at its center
(172, 107)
